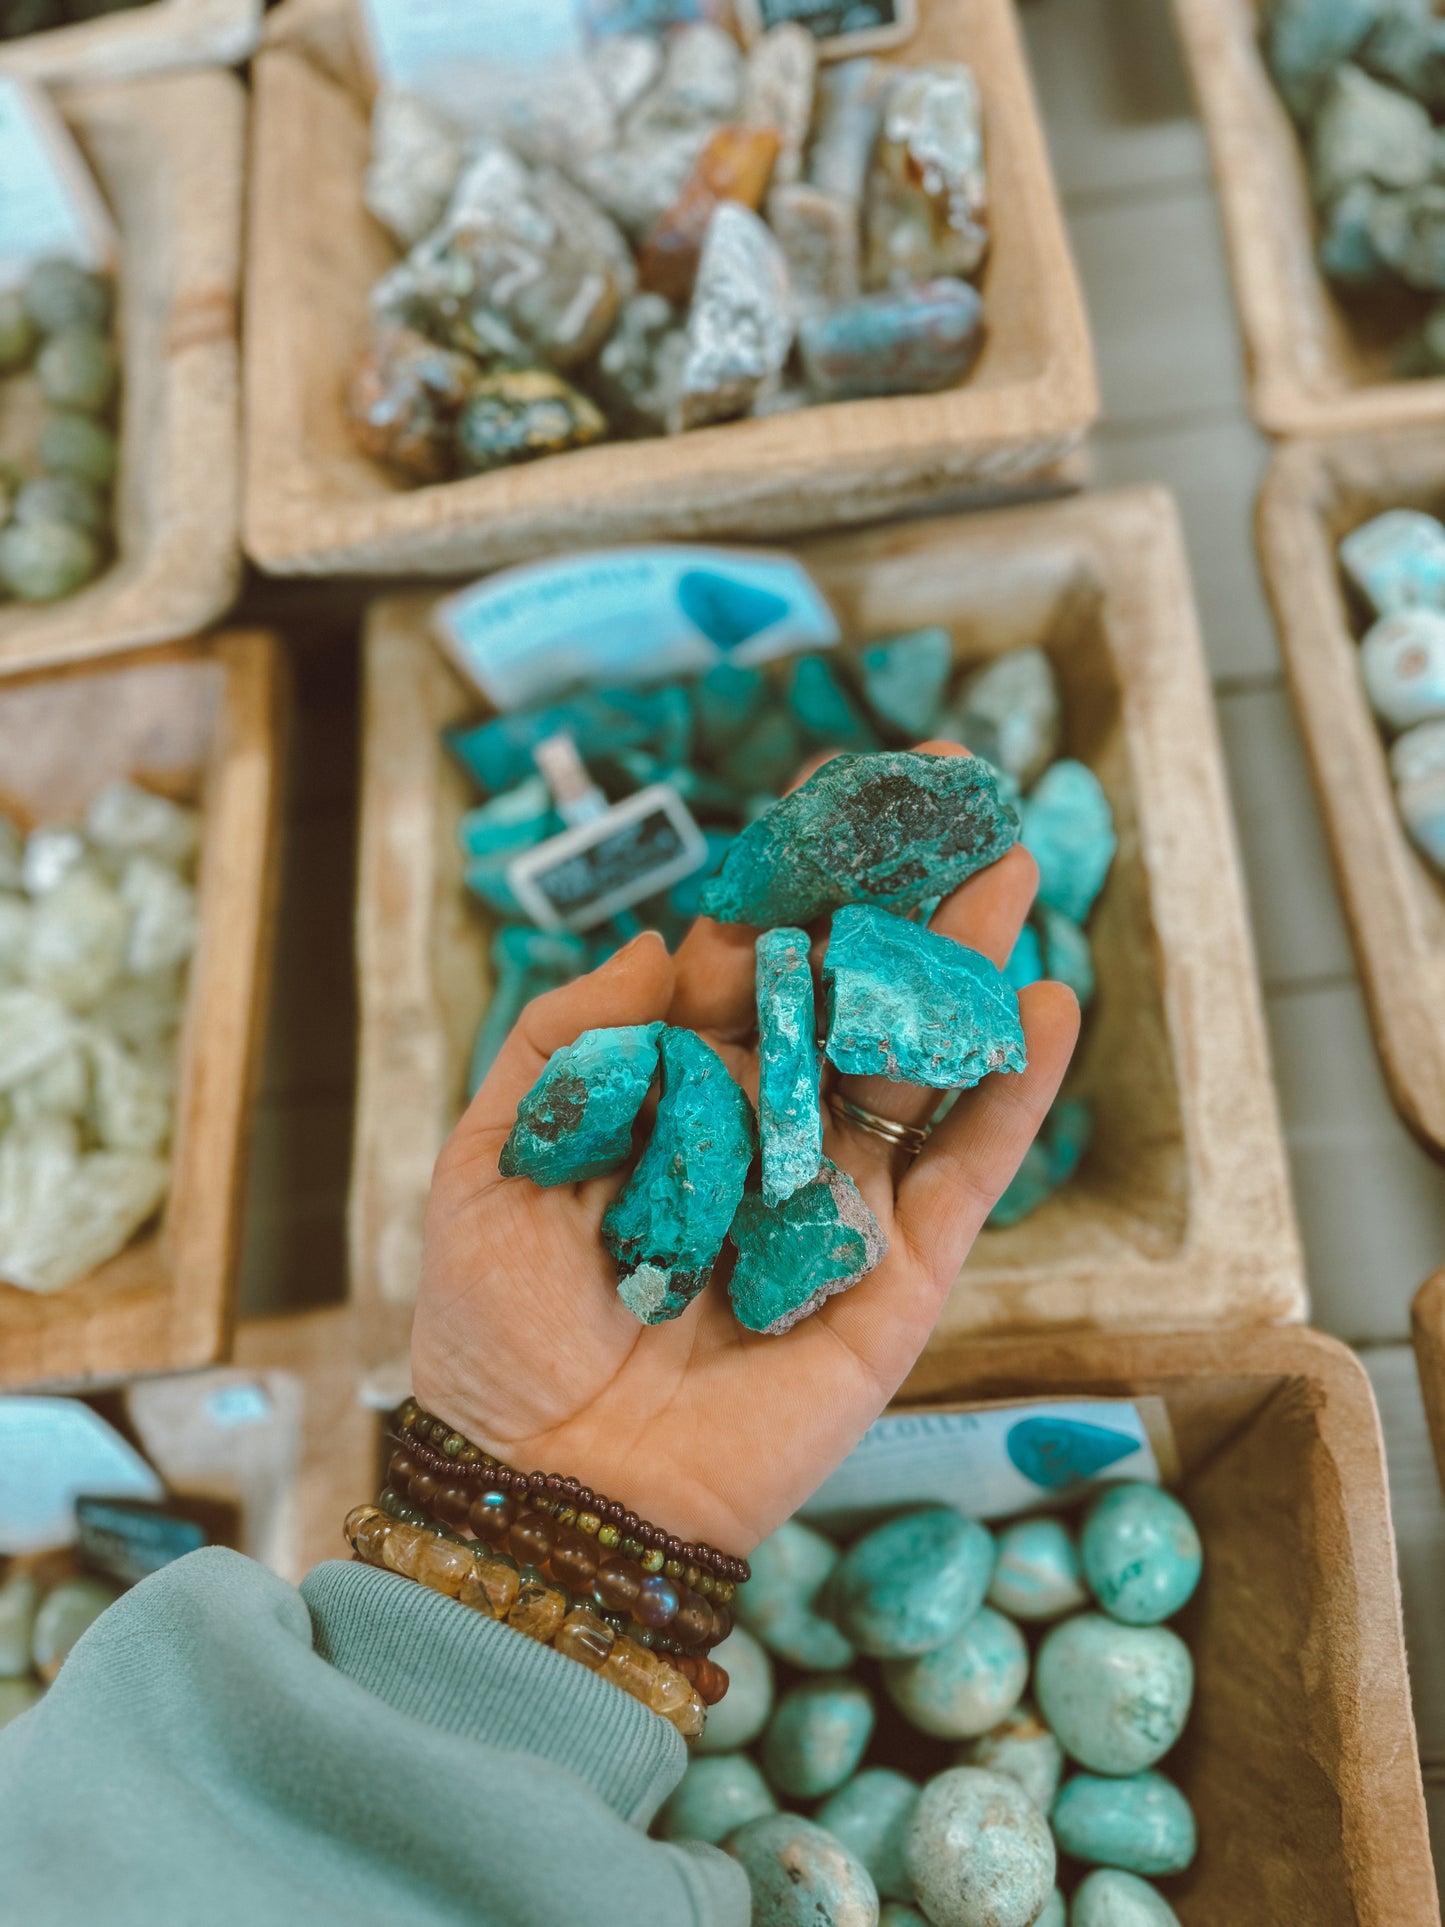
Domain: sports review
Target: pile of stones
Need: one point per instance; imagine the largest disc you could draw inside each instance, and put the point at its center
(97, 926)
(1365, 80)
(1396, 564)
(665, 234)
(55, 507)
(41, 1618)
(914, 1649)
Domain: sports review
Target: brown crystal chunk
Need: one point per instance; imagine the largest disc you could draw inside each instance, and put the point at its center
(443, 1565)
(584, 1637)
(538, 1610)
(736, 165)
(404, 395)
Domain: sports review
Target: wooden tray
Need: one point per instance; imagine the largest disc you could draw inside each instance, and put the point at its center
(1427, 1331)
(206, 722)
(1181, 1215)
(168, 155)
(1313, 494)
(1300, 1756)
(161, 38)
(1317, 365)
(316, 506)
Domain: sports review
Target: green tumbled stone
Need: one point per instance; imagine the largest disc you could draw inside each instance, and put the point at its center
(892, 829)
(824, 709)
(17, 332)
(1113, 1898)
(793, 1256)
(790, 1118)
(1068, 828)
(78, 369)
(667, 1225)
(42, 561)
(979, 1851)
(1116, 1697)
(715, 1797)
(817, 1736)
(59, 294)
(1048, 1164)
(904, 679)
(779, 1603)
(72, 444)
(576, 1121)
(905, 1003)
(64, 498)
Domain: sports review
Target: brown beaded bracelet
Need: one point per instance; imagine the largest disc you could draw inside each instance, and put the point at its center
(491, 1584)
(443, 1450)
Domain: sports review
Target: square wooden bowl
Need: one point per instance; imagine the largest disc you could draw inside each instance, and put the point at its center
(1317, 365)
(1314, 493)
(162, 37)
(1299, 1757)
(1427, 1332)
(168, 155)
(1181, 1214)
(315, 505)
(203, 722)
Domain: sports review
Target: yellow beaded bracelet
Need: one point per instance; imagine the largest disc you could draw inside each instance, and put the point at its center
(475, 1577)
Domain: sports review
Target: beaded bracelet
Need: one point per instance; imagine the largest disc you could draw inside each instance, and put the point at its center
(493, 1585)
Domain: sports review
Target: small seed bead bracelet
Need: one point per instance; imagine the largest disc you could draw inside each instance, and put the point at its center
(493, 1585)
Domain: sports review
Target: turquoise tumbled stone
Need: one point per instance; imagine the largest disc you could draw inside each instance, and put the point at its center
(1067, 953)
(576, 1121)
(527, 963)
(1397, 561)
(1010, 712)
(904, 679)
(1068, 828)
(726, 702)
(790, 1118)
(498, 753)
(905, 1003)
(1056, 1912)
(800, 1876)
(823, 706)
(1117, 1697)
(912, 1583)
(793, 1256)
(893, 829)
(967, 1685)
(1402, 664)
(1112, 1898)
(1141, 1554)
(765, 760)
(1141, 1822)
(819, 1732)
(1022, 1748)
(1037, 1575)
(871, 1814)
(779, 1604)
(1048, 1164)
(897, 1913)
(666, 1226)
(516, 820)
(979, 1852)
(714, 1798)
(743, 1711)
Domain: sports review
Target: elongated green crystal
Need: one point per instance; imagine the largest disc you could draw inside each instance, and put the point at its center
(794, 1256)
(576, 1121)
(790, 1118)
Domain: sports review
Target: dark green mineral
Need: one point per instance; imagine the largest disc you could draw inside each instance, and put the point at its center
(793, 1256)
(576, 1121)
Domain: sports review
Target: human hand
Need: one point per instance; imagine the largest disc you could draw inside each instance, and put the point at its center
(712, 1431)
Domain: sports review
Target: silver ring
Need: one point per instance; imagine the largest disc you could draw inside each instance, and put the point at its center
(904, 1137)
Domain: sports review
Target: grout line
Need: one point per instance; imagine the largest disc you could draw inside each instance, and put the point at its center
(1248, 682)
(1092, 200)
(1173, 421)
(1311, 986)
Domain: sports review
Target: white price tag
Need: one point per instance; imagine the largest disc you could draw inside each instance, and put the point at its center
(50, 205)
(414, 43)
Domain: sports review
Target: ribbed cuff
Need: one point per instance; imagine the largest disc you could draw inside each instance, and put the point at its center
(443, 1663)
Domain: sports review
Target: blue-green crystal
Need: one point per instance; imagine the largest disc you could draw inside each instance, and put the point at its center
(1048, 1164)
(779, 1604)
(498, 753)
(1068, 956)
(1009, 712)
(904, 679)
(1112, 1898)
(1026, 960)
(1141, 1555)
(909, 1585)
(727, 701)
(1141, 1822)
(685, 898)
(1069, 829)
(517, 820)
(576, 1121)
(892, 829)
(823, 706)
(667, 1225)
(790, 1118)
(906, 1003)
(793, 1256)
(766, 759)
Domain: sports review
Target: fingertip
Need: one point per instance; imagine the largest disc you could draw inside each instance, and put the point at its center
(940, 746)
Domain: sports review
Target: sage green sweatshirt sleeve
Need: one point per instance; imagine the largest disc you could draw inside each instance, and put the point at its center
(222, 1748)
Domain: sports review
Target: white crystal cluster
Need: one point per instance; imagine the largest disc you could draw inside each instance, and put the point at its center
(97, 926)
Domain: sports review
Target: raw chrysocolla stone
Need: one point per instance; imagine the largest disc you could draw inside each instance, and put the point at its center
(1068, 956)
(928, 193)
(518, 819)
(639, 371)
(1305, 41)
(498, 753)
(1068, 828)
(893, 829)
(667, 1225)
(905, 1003)
(1402, 661)
(416, 156)
(1408, 232)
(792, 1257)
(781, 73)
(740, 327)
(1417, 763)
(1048, 1164)
(403, 399)
(127, 819)
(1026, 960)
(521, 414)
(790, 1118)
(824, 709)
(1347, 251)
(527, 964)
(736, 165)
(765, 760)
(1364, 131)
(912, 340)
(727, 701)
(1397, 561)
(819, 236)
(1010, 714)
(576, 1121)
(904, 679)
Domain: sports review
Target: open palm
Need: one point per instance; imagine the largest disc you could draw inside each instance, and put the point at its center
(717, 1433)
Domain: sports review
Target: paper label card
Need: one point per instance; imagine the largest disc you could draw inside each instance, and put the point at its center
(414, 43)
(50, 206)
(51, 1451)
(841, 27)
(993, 1460)
(629, 616)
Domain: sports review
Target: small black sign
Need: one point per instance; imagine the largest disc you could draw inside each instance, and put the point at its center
(843, 26)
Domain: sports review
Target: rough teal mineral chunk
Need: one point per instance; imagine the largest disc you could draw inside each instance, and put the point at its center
(823, 706)
(1022, 1748)
(517, 820)
(1402, 662)
(1116, 1696)
(1408, 229)
(893, 829)
(714, 1798)
(685, 897)
(1111, 1898)
(1068, 954)
(1397, 561)
(779, 1604)
(818, 1734)
(666, 1226)
(526, 963)
(792, 1257)
(765, 760)
(790, 1118)
(1142, 1822)
(800, 1876)
(1365, 131)
(1037, 1575)
(1141, 1554)
(968, 1684)
(903, 341)
(1010, 713)
(1026, 960)
(1069, 829)
(905, 1003)
(576, 1121)
(1347, 251)
(909, 1585)
(727, 701)
(871, 1814)
(744, 1710)
(498, 753)
(1048, 1164)
(904, 679)
(979, 1852)
(1408, 49)
(1306, 40)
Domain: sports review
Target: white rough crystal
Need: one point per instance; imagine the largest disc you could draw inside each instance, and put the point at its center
(928, 195)
(819, 236)
(34, 1029)
(638, 182)
(128, 820)
(778, 88)
(130, 1106)
(142, 1011)
(50, 855)
(12, 852)
(78, 936)
(63, 1213)
(702, 81)
(163, 916)
(416, 156)
(60, 1088)
(741, 323)
(626, 65)
(847, 122)
(15, 916)
(558, 114)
